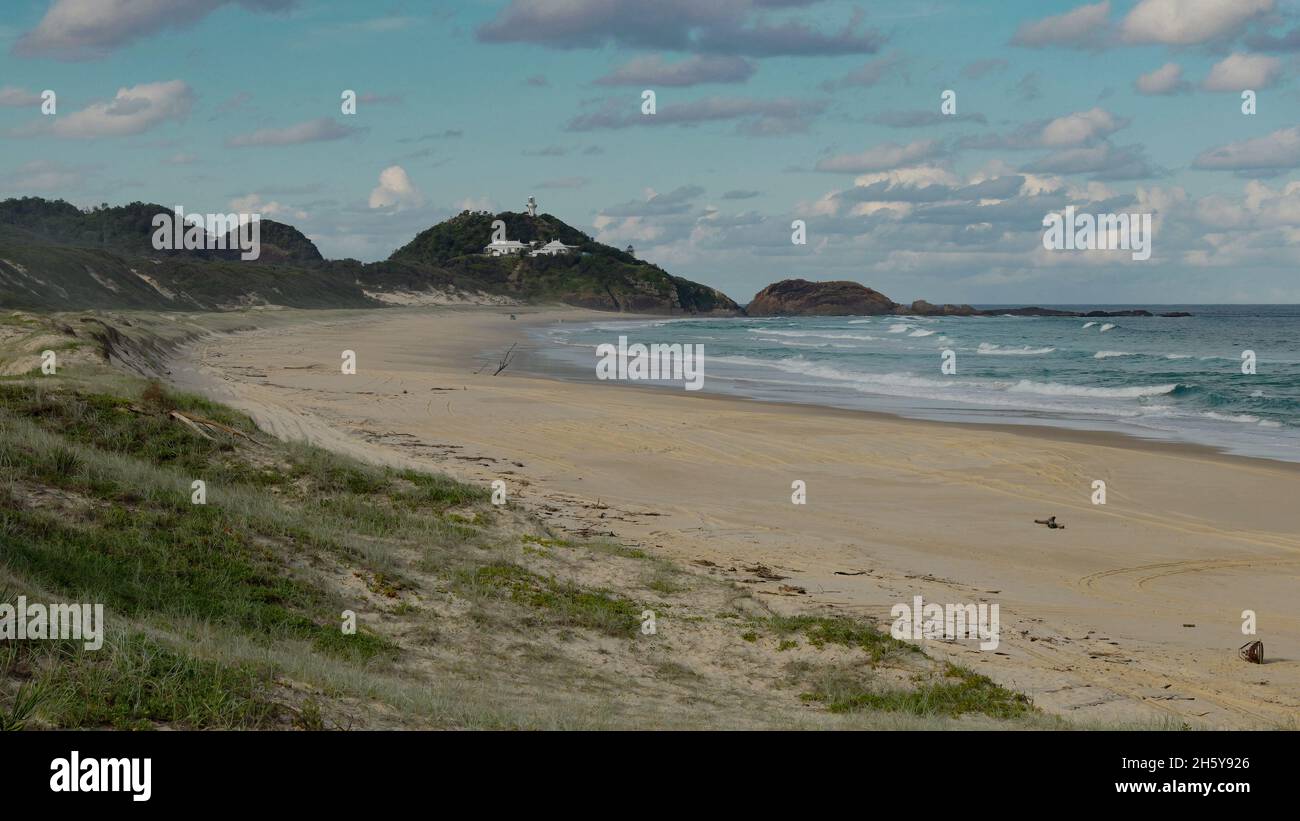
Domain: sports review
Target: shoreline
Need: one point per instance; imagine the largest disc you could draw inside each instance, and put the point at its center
(1061, 433)
(1093, 615)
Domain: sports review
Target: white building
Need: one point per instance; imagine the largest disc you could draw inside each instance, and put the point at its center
(501, 248)
(554, 248)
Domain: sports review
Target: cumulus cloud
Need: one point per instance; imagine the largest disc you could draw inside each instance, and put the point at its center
(1081, 127)
(733, 27)
(654, 70)
(1189, 22)
(1076, 129)
(1278, 150)
(1241, 71)
(1103, 162)
(318, 130)
(1168, 79)
(1083, 27)
(888, 190)
(395, 190)
(75, 30)
(255, 204)
(882, 157)
(131, 111)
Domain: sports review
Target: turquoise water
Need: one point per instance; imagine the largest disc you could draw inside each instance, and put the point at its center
(1176, 379)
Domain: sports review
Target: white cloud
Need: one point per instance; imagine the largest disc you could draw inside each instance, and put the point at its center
(1187, 22)
(1241, 71)
(254, 204)
(882, 157)
(1080, 127)
(91, 29)
(1080, 28)
(132, 111)
(1280, 149)
(1168, 79)
(395, 189)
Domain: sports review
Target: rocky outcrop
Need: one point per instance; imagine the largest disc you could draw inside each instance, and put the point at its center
(799, 297)
(922, 308)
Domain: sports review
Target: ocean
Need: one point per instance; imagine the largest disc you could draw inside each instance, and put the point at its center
(1173, 379)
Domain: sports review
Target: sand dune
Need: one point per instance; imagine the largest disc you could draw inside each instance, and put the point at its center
(1132, 612)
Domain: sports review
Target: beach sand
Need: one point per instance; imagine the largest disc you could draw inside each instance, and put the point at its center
(1131, 613)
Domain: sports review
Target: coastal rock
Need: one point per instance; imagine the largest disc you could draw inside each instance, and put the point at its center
(922, 308)
(799, 297)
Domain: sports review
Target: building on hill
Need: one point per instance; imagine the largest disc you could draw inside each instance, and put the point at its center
(501, 248)
(554, 248)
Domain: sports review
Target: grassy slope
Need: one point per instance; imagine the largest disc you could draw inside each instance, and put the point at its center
(226, 615)
(55, 257)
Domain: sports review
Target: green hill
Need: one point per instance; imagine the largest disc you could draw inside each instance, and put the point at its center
(55, 256)
(595, 276)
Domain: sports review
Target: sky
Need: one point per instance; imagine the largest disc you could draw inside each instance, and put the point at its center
(766, 112)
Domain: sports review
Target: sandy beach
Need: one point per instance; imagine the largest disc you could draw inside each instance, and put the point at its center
(1131, 613)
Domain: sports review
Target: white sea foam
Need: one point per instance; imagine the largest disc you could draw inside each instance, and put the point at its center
(990, 349)
(899, 328)
(1057, 389)
(1111, 354)
(1106, 327)
(920, 332)
(1232, 417)
(814, 334)
(1089, 324)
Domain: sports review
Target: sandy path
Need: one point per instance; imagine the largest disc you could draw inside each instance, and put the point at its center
(1094, 617)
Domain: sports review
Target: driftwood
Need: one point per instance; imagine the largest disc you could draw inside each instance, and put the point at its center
(505, 360)
(203, 427)
(1050, 521)
(1252, 651)
(501, 366)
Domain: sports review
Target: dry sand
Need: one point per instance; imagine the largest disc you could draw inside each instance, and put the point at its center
(1130, 613)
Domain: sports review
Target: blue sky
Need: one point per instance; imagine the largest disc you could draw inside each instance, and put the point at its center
(767, 111)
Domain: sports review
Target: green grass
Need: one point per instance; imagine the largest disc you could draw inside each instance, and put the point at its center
(121, 530)
(958, 692)
(137, 684)
(558, 603)
(822, 630)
